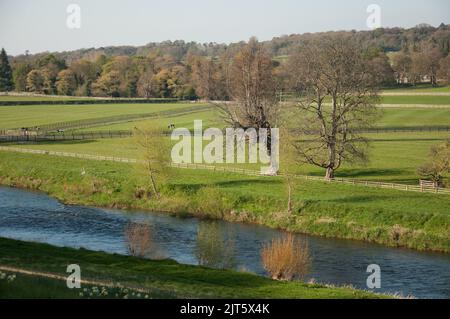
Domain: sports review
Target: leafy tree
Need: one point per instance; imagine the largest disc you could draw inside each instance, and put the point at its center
(437, 165)
(155, 152)
(66, 83)
(107, 85)
(35, 81)
(20, 73)
(6, 76)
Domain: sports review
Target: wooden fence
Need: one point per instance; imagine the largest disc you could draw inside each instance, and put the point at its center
(80, 124)
(393, 186)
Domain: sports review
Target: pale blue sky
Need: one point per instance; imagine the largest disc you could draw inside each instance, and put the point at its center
(40, 25)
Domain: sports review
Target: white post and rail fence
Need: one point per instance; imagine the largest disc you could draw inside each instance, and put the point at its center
(423, 187)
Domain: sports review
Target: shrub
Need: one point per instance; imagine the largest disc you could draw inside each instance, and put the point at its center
(139, 240)
(286, 258)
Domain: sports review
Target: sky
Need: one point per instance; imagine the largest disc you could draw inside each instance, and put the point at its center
(41, 25)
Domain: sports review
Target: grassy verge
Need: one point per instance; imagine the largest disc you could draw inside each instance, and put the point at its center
(162, 279)
(394, 218)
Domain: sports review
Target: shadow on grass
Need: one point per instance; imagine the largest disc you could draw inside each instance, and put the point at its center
(246, 182)
(352, 173)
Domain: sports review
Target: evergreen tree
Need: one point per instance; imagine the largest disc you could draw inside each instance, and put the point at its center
(6, 79)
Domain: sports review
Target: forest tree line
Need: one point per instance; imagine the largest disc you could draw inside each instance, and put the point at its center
(194, 71)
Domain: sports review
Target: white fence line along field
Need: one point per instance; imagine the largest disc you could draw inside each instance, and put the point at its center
(393, 186)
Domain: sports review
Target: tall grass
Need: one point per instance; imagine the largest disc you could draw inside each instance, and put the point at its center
(286, 258)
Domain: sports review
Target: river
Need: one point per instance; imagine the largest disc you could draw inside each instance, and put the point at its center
(33, 216)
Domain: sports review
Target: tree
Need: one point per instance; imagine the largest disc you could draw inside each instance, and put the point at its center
(444, 69)
(205, 77)
(146, 84)
(107, 85)
(401, 63)
(6, 75)
(155, 155)
(66, 83)
(85, 73)
(333, 70)
(438, 163)
(20, 73)
(425, 64)
(35, 81)
(252, 89)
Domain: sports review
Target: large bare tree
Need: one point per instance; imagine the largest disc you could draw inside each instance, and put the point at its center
(252, 89)
(337, 90)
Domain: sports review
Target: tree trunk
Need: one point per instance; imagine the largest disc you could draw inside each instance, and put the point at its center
(289, 206)
(330, 173)
(155, 190)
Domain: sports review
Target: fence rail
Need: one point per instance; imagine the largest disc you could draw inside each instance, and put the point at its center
(14, 136)
(75, 101)
(80, 124)
(393, 186)
(66, 136)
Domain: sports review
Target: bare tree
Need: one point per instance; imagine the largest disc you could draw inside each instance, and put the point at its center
(402, 66)
(146, 84)
(426, 63)
(338, 92)
(252, 90)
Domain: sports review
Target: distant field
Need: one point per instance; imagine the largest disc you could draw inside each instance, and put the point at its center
(416, 99)
(32, 115)
(401, 117)
(210, 119)
(34, 98)
(421, 88)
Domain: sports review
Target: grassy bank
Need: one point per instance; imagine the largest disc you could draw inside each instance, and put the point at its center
(160, 279)
(394, 218)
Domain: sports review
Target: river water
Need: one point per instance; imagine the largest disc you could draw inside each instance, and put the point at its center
(36, 217)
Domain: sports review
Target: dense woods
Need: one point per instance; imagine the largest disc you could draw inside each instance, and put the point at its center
(204, 71)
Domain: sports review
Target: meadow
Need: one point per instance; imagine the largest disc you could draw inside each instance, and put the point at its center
(148, 278)
(389, 217)
(35, 115)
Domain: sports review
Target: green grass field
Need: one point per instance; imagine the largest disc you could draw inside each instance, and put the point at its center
(162, 279)
(420, 88)
(394, 157)
(416, 99)
(414, 117)
(34, 115)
